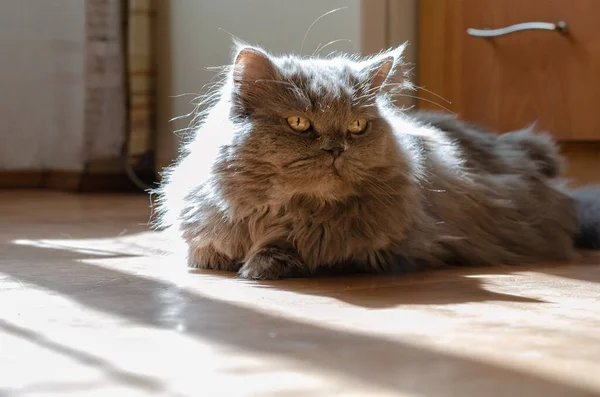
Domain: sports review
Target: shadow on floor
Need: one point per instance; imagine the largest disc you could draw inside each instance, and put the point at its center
(438, 287)
(392, 365)
(386, 291)
(119, 376)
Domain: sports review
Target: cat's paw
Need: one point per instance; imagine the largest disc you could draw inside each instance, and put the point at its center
(207, 257)
(271, 264)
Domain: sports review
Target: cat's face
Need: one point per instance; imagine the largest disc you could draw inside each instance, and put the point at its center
(316, 122)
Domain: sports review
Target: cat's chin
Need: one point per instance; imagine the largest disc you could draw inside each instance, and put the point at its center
(328, 183)
(331, 188)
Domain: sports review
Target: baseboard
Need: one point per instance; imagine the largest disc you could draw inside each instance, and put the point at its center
(582, 162)
(22, 179)
(69, 181)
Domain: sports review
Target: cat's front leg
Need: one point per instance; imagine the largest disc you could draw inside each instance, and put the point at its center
(207, 257)
(271, 263)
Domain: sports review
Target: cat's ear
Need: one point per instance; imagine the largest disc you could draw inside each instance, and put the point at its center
(386, 66)
(250, 66)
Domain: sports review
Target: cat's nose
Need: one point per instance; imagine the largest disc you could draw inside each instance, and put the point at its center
(335, 152)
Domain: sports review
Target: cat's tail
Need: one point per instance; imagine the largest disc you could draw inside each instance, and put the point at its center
(588, 200)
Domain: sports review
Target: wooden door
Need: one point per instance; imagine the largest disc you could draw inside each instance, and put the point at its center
(510, 81)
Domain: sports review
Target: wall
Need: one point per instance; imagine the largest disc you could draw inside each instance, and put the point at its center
(189, 41)
(40, 106)
(61, 102)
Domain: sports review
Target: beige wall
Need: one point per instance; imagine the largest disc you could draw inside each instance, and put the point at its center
(40, 102)
(61, 99)
(189, 41)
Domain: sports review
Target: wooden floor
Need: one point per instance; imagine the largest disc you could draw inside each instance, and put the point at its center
(90, 307)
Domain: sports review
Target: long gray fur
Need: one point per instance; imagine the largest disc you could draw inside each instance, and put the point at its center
(249, 194)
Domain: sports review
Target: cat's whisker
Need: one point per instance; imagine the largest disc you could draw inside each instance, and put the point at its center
(195, 94)
(389, 198)
(405, 85)
(415, 87)
(330, 54)
(425, 100)
(406, 108)
(384, 187)
(234, 37)
(313, 24)
(331, 43)
(383, 199)
(316, 51)
(433, 93)
(220, 69)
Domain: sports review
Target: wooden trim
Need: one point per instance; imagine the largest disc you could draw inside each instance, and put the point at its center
(111, 182)
(69, 181)
(22, 179)
(582, 162)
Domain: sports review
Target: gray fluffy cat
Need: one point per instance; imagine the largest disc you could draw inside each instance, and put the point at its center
(304, 164)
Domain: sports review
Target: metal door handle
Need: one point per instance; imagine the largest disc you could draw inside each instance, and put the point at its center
(560, 27)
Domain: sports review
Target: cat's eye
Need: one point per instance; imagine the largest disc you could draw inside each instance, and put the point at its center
(299, 123)
(357, 126)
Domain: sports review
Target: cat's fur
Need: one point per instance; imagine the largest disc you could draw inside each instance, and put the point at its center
(249, 194)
